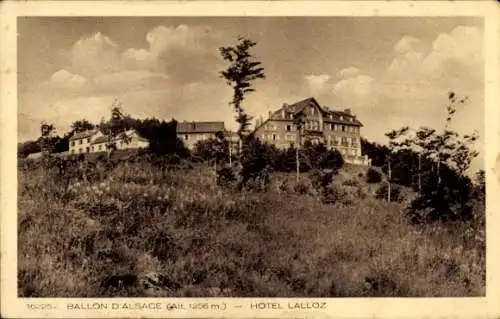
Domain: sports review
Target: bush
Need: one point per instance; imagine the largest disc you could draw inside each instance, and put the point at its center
(256, 163)
(319, 156)
(320, 180)
(373, 176)
(225, 176)
(446, 201)
(213, 149)
(301, 188)
(350, 182)
(396, 195)
(332, 194)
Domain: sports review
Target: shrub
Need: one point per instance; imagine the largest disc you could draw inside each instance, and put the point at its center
(256, 163)
(332, 194)
(301, 188)
(213, 149)
(319, 156)
(320, 180)
(350, 182)
(396, 195)
(373, 176)
(448, 200)
(225, 176)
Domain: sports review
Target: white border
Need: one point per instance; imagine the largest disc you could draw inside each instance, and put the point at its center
(346, 307)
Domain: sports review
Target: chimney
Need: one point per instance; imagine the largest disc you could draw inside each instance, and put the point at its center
(348, 111)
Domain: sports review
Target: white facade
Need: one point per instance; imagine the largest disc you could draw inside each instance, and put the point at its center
(94, 141)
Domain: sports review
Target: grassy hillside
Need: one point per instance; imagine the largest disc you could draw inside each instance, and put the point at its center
(131, 232)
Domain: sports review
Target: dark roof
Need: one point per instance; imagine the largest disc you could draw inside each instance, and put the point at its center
(83, 134)
(200, 127)
(292, 109)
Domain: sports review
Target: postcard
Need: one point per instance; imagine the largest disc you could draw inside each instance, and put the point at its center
(332, 159)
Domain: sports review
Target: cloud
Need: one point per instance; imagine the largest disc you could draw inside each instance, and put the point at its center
(125, 80)
(349, 72)
(413, 89)
(317, 83)
(96, 63)
(407, 44)
(94, 55)
(67, 80)
(169, 45)
(360, 85)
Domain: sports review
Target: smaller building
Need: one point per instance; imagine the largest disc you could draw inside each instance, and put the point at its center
(34, 156)
(93, 141)
(81, 142)
(193, 132)
(130, 140)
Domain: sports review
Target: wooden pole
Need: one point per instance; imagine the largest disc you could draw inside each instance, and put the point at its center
(297, 162)
(389, 181)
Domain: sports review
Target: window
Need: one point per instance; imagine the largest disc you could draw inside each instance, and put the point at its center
(343, 128)
(288, 127)
(100, 147)
(275, 137)
(186, 137)
(73, 151)
(354, 141)
(87, 149)
(80, 142)
(73, 143)
(344, 141)
(92, 148)
(80, 149)
(88, 140)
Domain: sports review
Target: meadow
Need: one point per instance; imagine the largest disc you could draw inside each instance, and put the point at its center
(125, 228)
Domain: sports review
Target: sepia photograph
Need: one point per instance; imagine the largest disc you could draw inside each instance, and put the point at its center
(251, 157)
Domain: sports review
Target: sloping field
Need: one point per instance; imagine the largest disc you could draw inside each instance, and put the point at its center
(132, 232)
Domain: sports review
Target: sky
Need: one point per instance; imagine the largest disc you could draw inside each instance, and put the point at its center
(391, 71)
